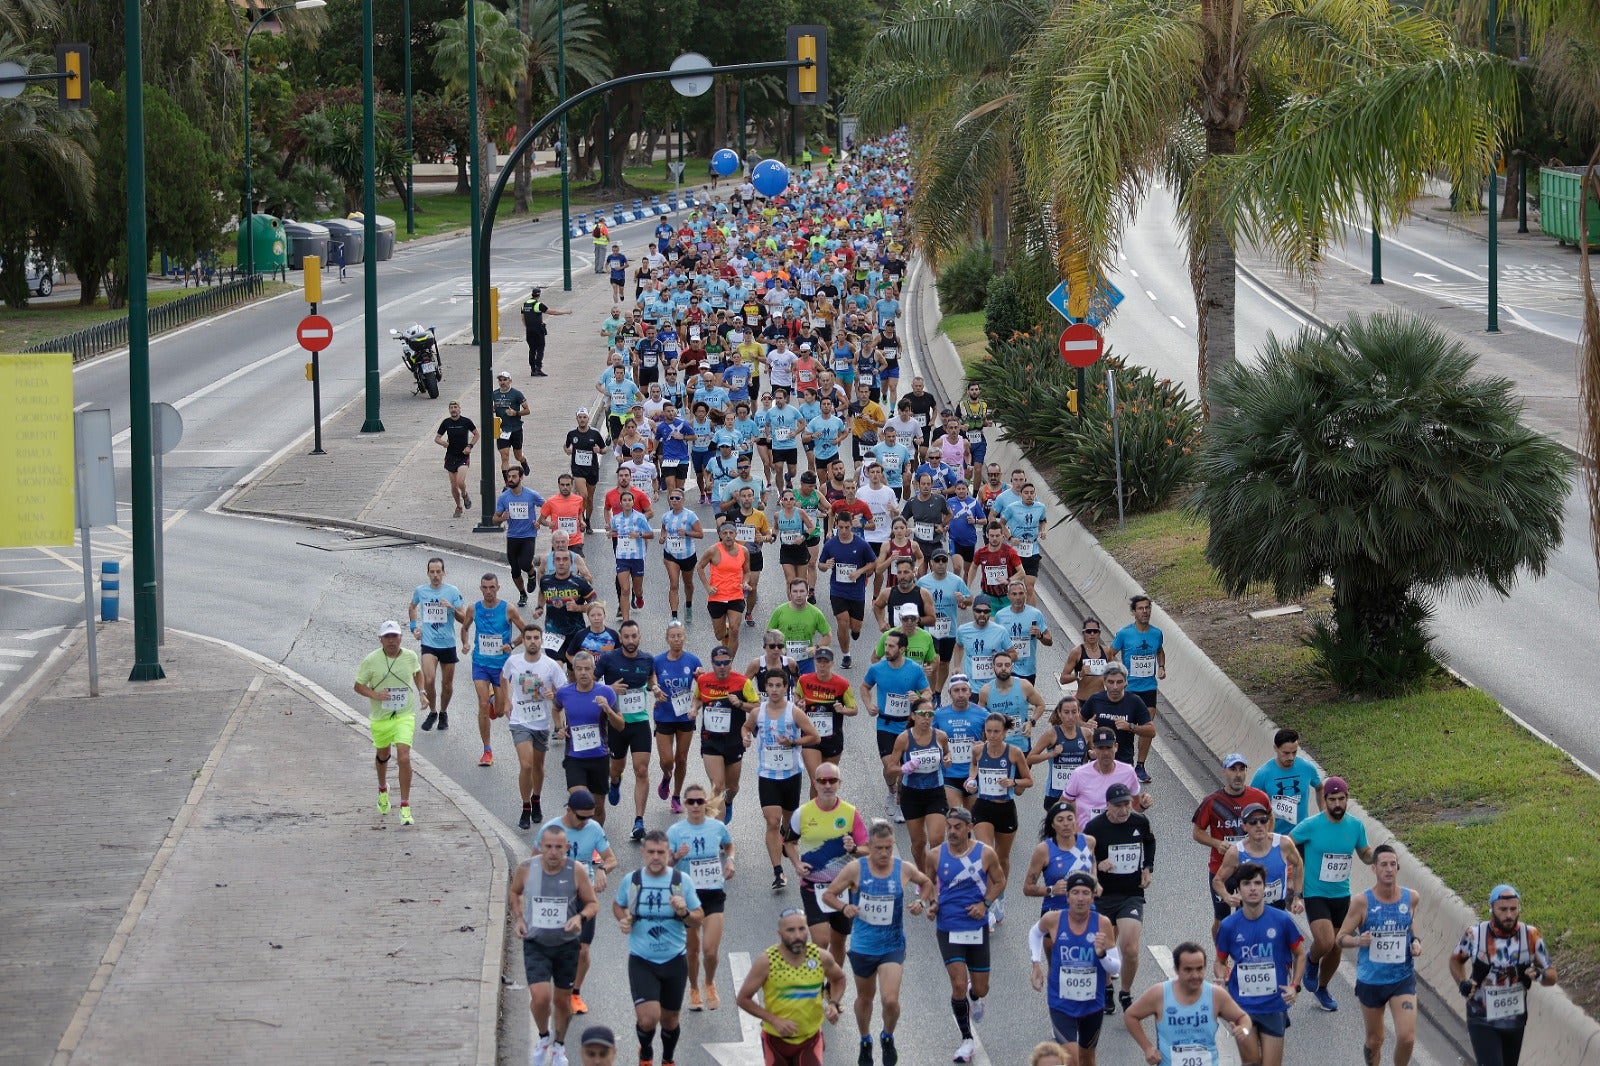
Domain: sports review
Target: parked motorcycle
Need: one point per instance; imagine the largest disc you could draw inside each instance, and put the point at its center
(419, 350)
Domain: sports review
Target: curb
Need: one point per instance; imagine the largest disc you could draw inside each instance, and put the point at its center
(484, 823)
(1224, 719)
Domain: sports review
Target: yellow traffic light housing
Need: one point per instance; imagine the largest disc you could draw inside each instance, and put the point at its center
(808, 84)
(72, 70)
(311, 268)
(1072, 401)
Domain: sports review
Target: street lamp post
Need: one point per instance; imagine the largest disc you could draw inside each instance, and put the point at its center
(472, 157)
(411, 192)
(566, 149)
(247, 218)
(373, 422)
(1494, 213)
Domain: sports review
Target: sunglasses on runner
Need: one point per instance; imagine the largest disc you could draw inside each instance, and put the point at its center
(694, 803)
(1256, 821)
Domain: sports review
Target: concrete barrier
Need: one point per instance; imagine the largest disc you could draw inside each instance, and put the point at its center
(1559, 1033)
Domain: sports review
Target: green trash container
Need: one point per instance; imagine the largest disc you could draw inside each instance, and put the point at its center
(271, 250)
(1558, 205)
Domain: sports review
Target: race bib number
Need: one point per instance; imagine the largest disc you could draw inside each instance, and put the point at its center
(1125, 858)
(536, 714)
(1027, 547)
(1077, 983)
(681, 702)
(1286, 809)
(1142, 666)
(791, 536)
(718, 720)
(745, 534)
(706, 874)
(896, 704)
(549, 912)
(395, 699)
(1501, 1002)
(569, 526)
(650, 360)
(1094, 667)
(634, 702)
(975, 436)
(518, 511)
(782, 433)
(989, 785)
(1335, 868)
(435, 612)
(966, 936)
(995, 576)
(776, 760)
(553, 641)
(1058, 777)
(581, 458)
(797, 649)
(1390, 948)
(1274, 891)
(490, 644)
(677, 545)
(982, 667)
(941, 627)
(923, 531)
(823, 721)
(822, 904)
(876, 910)
(1191, 1055)
(1258, 978)
(960, 750)
(845, 572)
(925, 761)
(585, 737)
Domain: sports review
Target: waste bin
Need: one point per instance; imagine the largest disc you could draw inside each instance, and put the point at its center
(348, 233)
(306, 238)
(385, 235)
(270, 248)
(1559, 188)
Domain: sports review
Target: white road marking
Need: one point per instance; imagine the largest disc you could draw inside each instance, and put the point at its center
(18, 654)
(1431, 277)
(1150, 294)
(1176, 321)
(37, 633)
(747, 1052)
(10, 668)
(1132, 271)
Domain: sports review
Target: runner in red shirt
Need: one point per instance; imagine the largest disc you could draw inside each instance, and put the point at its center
(1219, 821)
(993, 564)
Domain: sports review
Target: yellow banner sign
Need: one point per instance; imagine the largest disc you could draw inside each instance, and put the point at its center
(36, 456)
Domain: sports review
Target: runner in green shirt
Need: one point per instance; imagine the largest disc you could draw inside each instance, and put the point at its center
(803, 625)
(920, 646)
(391, 680)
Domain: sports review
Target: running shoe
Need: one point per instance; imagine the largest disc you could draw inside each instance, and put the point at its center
(444, 721)
(677, 805)
(994, 919)
(427, 723)
(405, 814)
(661, 789)
(638, 830)
(846, 661)
(779, 882)
(538, 812)
(1313, 971)
(466, 501)
(526, 469)
(487, 759)
(898, 814)
(891, 1054)
(713, 1001)
(383, 802)
(526, 821)
(979, 1009)
(695, 1002)
(964, 1052)
(578, 1005)
(541, 1051)
(638, 603)
(1111, 1002)
(522, 600)
(1325, 1001)
(1126, 999)
(614, 793)
(727, 813)
(675, 617)
(1142, 774)
(864, 1057)
(750, 623)
(558, 1054)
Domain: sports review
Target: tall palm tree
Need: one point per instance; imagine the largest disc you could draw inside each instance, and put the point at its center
(1277, 120)
(587, 57)
(502, 51)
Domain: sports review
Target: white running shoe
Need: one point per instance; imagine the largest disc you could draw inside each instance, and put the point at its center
(964, 1052)
(558, 1056)
(897, 813)
(539, 1055)
(978, 1010)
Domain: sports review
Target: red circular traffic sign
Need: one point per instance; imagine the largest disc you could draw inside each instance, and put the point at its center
(314, 333)
(1081, 344)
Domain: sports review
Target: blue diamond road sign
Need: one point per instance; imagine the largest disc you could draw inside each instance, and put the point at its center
(1100, 307)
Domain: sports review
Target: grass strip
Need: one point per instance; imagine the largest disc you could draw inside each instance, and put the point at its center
(22, 327)
(966, 333)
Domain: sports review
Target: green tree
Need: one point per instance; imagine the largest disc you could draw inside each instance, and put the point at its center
(1276, 120)
(588, 61)
(501, 60)
(1377, 456)
(332, 139)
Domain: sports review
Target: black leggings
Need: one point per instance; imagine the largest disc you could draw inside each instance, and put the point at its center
(1495, 1047)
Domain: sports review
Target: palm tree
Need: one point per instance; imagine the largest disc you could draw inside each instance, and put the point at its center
(502, 49)
(947, 68)
(1376, 455)
(587, 57)
(1276, 120)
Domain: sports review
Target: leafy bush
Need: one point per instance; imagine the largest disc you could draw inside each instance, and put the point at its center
(1005, 311)
(1347, 655)
(964, 281)
(1027, 386)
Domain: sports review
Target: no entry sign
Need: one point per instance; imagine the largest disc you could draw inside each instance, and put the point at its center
(314, 333)
(1081, 344)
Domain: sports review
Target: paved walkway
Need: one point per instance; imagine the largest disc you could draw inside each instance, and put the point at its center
(195, 872)
(394, 482)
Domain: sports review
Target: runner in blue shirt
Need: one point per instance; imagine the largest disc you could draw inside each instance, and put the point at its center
(1028, 628)
(674, 438)
(675, 673)
(1141, 645)
(950, 596)
(961, 721)
(517, 508)
(848, 561)
(435, 609)
(655, 906)
(824, 432)
(1024, 519)
(1268, 956)
(893, 686)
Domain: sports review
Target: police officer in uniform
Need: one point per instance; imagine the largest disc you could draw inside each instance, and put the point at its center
(533, 312)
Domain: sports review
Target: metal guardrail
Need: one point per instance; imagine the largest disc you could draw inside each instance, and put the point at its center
(85, 344)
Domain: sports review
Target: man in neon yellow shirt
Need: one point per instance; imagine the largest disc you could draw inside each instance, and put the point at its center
(800, 985)
(391, 680)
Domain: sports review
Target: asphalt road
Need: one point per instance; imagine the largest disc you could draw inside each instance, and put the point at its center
(1551, 618)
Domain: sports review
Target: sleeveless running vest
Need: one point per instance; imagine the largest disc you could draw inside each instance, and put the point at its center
(879, 927)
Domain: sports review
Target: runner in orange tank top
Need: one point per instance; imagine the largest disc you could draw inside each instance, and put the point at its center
(724, 570)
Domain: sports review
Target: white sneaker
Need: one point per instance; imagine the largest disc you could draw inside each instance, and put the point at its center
(994, 919)
(539, 1054)
(964, 1052)
(899, 815)
(558, 1055)
(978, 1010)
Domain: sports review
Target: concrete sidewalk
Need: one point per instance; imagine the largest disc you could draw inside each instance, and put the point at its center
(195, 871)
(394, 482)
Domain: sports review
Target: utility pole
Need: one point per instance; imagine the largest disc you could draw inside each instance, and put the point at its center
(369, 222)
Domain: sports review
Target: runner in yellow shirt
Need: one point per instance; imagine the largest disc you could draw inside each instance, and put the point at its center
(800, 985)
(391, 680)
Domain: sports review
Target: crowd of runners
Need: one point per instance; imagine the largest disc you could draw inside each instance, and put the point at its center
(749, 409)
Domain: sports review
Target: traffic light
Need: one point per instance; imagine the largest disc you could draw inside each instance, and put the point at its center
(72, 68)
(808, 84)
